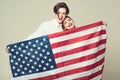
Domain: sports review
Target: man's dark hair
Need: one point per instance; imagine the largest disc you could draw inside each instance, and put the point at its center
(61, 5)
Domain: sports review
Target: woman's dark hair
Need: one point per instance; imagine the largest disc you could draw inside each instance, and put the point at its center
(60, 5)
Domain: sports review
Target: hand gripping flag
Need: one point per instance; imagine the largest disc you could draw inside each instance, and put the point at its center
(76, 54)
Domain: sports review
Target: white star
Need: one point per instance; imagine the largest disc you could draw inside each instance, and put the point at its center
(42, 61)
(19, 59)
(37, 41)
(36, 52)
(21, 55)
(26, 58)
(25, 68)
(37, 69)
(48, 53)
(12, 50)
(50, 60)
(21, 66)
(13, 67)
(51, 66)
(40, 55)
(44, 68)
(32, 67)
(19, 48)
(14, 57)
(15, 46)
(23, 62)
(30, 60)
(43, 50)
(46, 46)
(10, 54)
(31, 49)
(8, 47)
(23, 72)
(16, 63)
(33, 56)
(39, 65)
(47, 64)
(44, 39)
(35, 63)
(30, 71)
(38, 59)
(22, 44)
(24, 51)
(28, 54)
(45, 57)
(41, 43)
(38, 48)
(29, 42)
(18, 70)
(15, 74)
(28, 64)
(34, 45)
(26, 47)
(16, 52)
(11, 61)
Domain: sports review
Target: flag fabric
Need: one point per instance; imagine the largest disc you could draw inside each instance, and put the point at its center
(76, 54)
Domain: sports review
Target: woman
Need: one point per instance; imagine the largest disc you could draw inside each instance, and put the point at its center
(68, 23)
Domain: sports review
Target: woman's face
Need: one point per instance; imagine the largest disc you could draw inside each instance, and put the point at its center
(68, 23)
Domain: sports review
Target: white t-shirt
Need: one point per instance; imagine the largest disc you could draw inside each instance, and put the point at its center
(45, 28)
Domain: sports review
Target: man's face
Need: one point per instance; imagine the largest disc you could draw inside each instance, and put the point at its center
(60, 15)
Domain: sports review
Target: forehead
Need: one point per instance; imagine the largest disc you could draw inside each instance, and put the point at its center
(67, 18)
(62, 10)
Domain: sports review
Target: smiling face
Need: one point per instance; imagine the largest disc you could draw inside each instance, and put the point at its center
(60, 15)
(68, 23)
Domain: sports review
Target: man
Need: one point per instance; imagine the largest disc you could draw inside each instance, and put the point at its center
(61, 10)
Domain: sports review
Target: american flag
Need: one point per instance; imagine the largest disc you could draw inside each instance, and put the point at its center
(76, 54)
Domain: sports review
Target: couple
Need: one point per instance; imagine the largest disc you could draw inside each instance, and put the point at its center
(61, 22)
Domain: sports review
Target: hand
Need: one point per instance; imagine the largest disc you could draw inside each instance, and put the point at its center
(7, 50)
(104, 23)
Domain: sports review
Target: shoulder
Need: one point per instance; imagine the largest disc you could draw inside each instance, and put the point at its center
(48, 22)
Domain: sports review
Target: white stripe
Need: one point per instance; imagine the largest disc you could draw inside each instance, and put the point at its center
(76, 34)
(80, 54)
(66, 68)
(81, 74)
(78, 44)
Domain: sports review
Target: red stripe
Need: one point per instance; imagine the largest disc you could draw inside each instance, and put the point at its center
(82, 28)
(80, 59)
(80, 49)
(78, 39)
(70, 72)
(90, 76)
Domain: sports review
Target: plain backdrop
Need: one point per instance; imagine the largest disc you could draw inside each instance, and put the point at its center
(20, 18)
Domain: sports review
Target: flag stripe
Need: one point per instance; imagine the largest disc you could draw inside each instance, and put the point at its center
(77, 39)
(90, 76)
(83, 74)
(76, 34)
(77, 70)
(81, 59)
(80, 54)
(78, 44)
(79, 29)
(79, 49)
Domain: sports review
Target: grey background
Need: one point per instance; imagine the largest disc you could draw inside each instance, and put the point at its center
(20, 18)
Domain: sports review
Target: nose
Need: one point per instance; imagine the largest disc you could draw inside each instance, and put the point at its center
(60, 15)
